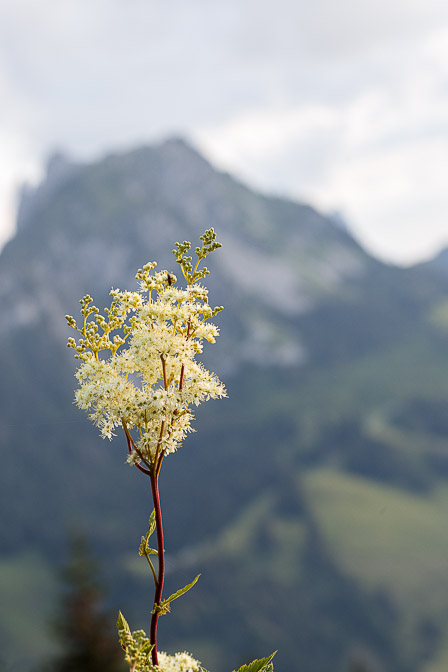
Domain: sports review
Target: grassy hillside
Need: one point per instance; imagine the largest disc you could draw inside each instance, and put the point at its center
(324, 533)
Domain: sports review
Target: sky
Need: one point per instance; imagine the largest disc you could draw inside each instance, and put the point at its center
(339, 103)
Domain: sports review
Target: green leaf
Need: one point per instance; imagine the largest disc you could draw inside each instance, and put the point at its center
(260, 665)
(161, 609)
(124, 632)
(164, 606)
(144, 548)
(181, 591)
(152, 524)
(122, 623)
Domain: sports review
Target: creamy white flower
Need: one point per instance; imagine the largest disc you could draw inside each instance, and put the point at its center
(180, 662)
(145, 374)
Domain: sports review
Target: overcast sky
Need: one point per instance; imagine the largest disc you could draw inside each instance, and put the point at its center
(341, 103)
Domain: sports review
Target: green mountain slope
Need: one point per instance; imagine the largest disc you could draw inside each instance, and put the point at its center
(312, 500)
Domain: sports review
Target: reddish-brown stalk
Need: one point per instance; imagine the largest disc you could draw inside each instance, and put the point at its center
(154, 479)
(131, 445)
(182, 369)
(161, 570)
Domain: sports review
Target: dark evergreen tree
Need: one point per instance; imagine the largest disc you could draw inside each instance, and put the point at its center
(84, 628)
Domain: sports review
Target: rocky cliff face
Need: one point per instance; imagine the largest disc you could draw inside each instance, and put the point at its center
(86, 228)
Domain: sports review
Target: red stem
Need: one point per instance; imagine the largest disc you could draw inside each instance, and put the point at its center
(182, 370)
(181, 381)
(161, 557)
(129, 440)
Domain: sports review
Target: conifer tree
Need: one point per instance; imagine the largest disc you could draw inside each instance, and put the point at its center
(83, 627)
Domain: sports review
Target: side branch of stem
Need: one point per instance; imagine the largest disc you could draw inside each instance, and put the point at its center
(131, 447)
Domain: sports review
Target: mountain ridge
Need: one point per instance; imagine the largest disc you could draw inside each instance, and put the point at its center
(159, 187)
(331, 358)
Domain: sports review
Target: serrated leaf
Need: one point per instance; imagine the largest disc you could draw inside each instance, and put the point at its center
(164, 606)
(144, 549)
(152, 524)
(122, 623)
(259, 665)
(181, 591)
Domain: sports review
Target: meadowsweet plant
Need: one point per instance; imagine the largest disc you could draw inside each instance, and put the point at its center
(138, 372)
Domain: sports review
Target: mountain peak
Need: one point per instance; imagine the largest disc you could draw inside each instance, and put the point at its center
(59, 168)
(111, 216)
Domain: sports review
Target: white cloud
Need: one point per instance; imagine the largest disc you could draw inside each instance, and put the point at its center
(380, 154)
(344, 103)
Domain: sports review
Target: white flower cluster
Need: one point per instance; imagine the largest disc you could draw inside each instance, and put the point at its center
(180, 662)
(145, 377)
